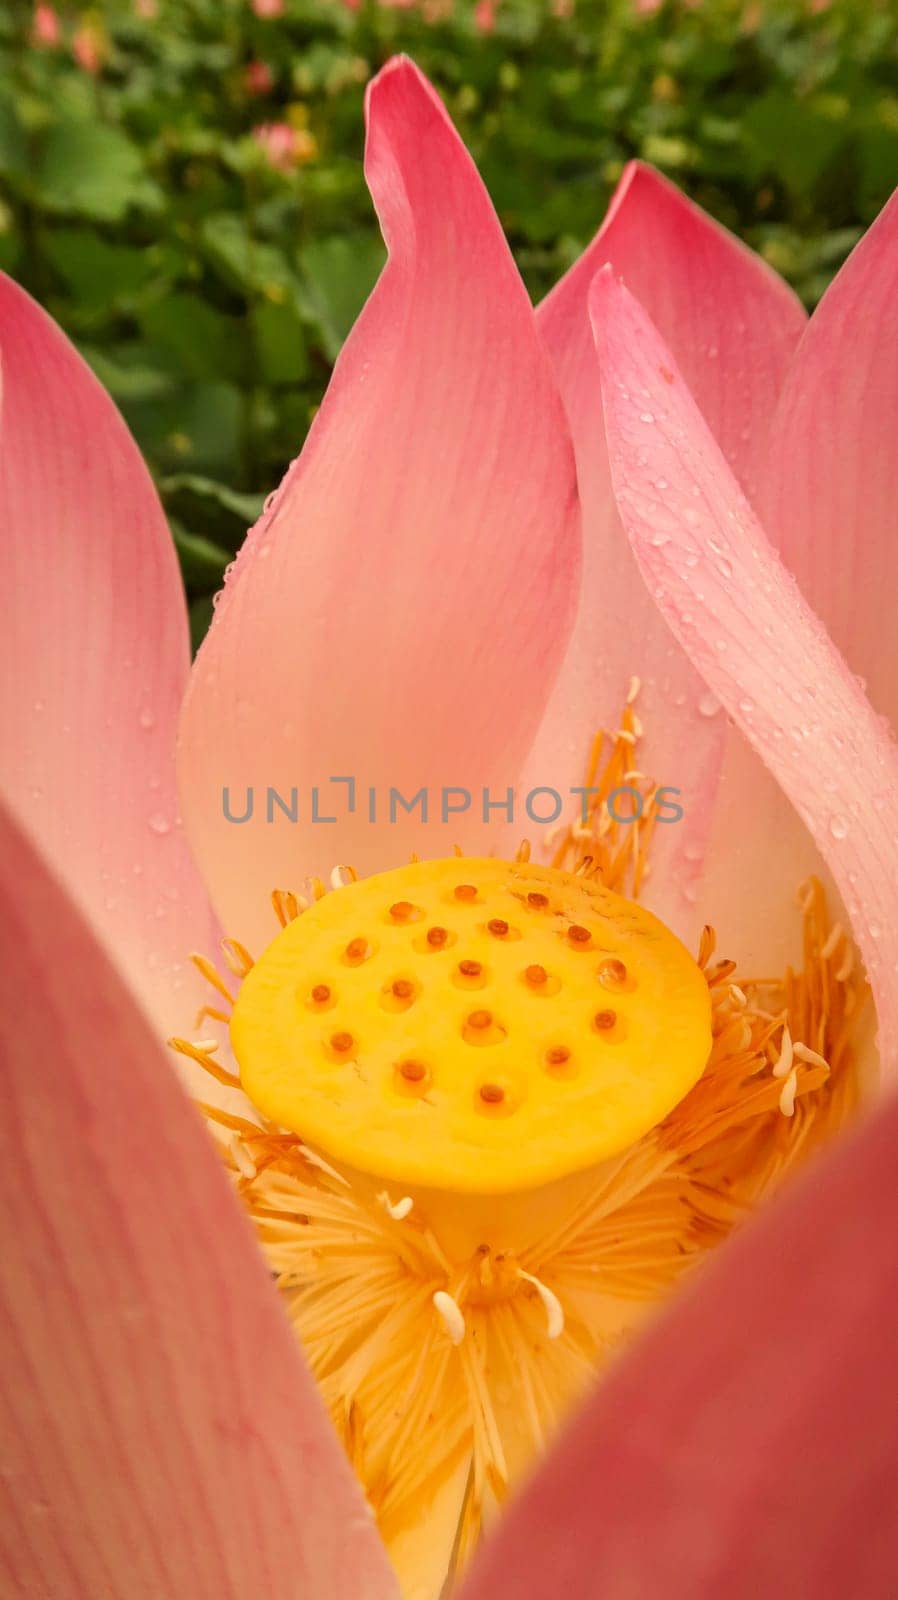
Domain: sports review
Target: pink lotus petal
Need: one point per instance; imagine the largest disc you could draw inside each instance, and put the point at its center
(729, 601)
(734, 326)
(831, 490)
(162, 1436)
(747, 1445)
(95, 657)
(398, 614)
(827, 501)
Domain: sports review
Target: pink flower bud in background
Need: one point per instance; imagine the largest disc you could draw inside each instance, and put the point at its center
(285, 147)
(45, 28)
(89, 48)
(258, 77)
(268, 8)
(485, 16)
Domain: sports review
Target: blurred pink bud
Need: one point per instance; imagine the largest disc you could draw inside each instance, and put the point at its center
(284, 146)
(45, 27)
(268, 8)
(485, 16)
(258, 77)
(88, 48)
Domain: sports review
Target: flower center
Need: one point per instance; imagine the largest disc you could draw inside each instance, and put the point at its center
(492, 1114)
(476, 1026)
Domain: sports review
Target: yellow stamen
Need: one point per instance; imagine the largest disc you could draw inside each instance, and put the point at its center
(569, 1112)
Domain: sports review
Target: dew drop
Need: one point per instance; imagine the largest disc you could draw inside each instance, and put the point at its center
(646, 416)
(708, 706)
(838, 827)
(146, 719)
(159, 823)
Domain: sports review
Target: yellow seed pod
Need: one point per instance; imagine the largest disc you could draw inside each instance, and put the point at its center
(474, 1026)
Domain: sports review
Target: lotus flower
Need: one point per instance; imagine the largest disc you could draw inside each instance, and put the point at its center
(412, 609)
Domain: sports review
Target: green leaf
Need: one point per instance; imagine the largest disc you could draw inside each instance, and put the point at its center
(88, 169)
(205, 342)
(97, 272)
(338, 275)
(242, 261)
(210, 506)
(198, 425)
(13, 140)
(280, 342)
(202, 562)
(129, 372)
(200, 615)
(792, 139)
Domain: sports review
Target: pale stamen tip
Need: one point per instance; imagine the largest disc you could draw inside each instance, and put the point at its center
(397, 1209)
(783, 1065)
(243, 1161)
(812, 1057)
(787, 1094)
(551, 1303)
(450, 1313)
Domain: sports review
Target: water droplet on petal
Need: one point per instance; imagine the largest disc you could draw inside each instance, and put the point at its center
(708, 706)
(838, 827)
(160, 823)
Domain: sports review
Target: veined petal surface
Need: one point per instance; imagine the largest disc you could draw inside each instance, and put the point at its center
(96, 654)
(733, 326)
(827, 500)
(830, 490)
(398, 614)
(725, 594)
(162, 1437)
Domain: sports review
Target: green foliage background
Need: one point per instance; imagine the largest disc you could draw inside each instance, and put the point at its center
(211, 291)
